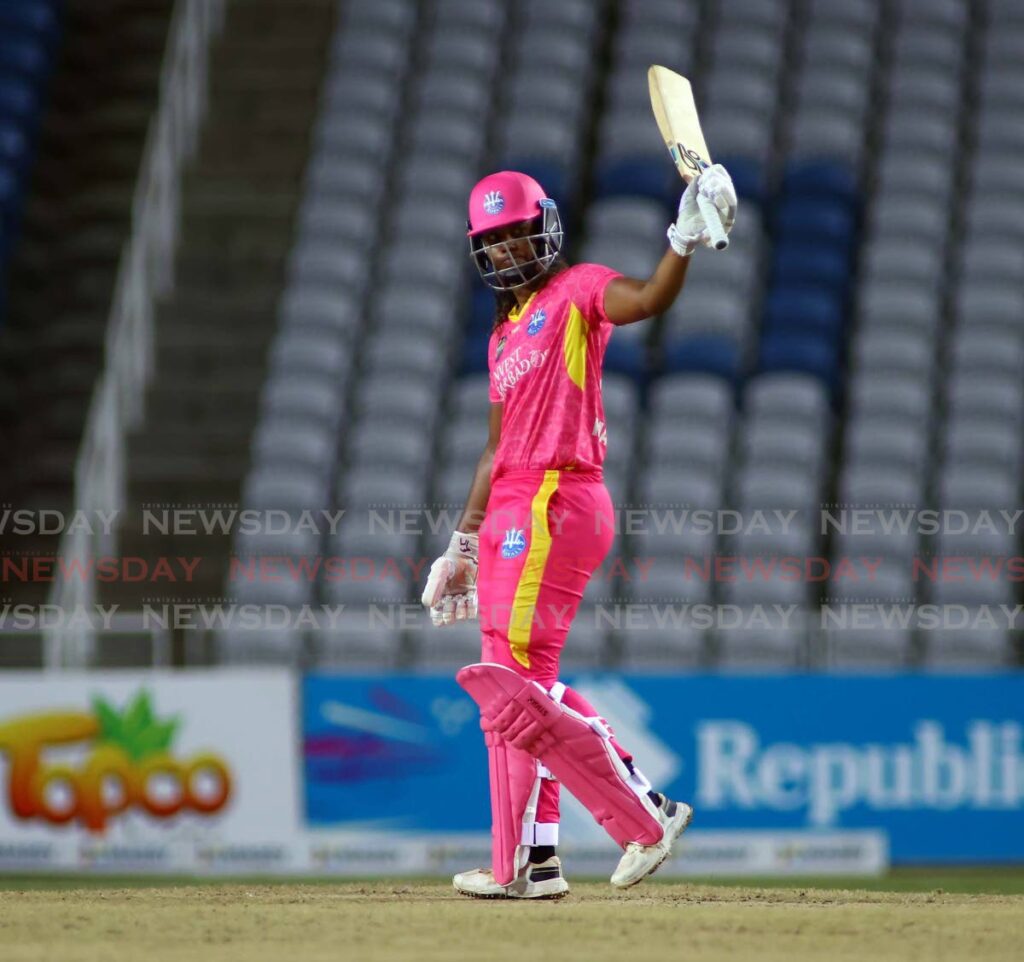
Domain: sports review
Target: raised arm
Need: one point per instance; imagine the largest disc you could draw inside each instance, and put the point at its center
(628, 299)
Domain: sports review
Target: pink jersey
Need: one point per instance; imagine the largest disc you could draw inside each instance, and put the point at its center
(545, 365)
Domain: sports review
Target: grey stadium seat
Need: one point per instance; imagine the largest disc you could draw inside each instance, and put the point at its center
(672, 441)
(775, 487)
(984, 397)
(896, 543)
(891, 583)
(976, 645)
(292, 592)
(761, 581)
(397, 445)
(879, 484)
(991, 305)
(787, 397)
(367, 486)
(678, 646)
(672, 535)
(995, 352)
(702, 397)
(885, 441)
(899, 304)
(295, 351)
(967, 486)
(357, 639)
(268, 645)
(750, 644)
(284, 487)
(668, 581)
(452, 646)
(884, 398)
(775, 442)
(904, 353)
(866, 638)
(673, 487)
(336, 310)
(292, 543)
(287, 442)
(993, 443)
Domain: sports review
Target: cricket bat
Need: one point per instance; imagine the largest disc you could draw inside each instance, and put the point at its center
(676, 114)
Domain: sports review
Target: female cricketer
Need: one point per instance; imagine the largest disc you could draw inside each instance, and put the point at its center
(539, 521)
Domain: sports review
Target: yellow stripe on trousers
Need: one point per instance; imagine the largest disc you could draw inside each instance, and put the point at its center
(525, 602)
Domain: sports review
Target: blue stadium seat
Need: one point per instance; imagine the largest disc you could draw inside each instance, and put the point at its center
(37, 17)
(474, 353)
(807, 353)
(820, 179)
(707, 353)
(18, 101)
(10, 189)
(749, 176)
(816, 264)
(14, 146)
(25, 58)
(642, 176)
(626, 356)
(814, 220)
(803, 308)
(481, 308)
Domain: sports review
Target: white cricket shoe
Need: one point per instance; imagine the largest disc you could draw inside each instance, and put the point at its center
(541, 881)
(639, 861)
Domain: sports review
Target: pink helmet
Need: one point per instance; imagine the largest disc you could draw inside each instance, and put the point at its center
(500, 200)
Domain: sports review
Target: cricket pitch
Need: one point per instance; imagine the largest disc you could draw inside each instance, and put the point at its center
(382, 922)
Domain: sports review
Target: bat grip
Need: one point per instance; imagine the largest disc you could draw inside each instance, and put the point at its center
(714, 222)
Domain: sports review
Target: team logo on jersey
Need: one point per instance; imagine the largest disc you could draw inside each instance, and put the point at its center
(499, 349)
(537, 319)
(514, 544)
(600, 432)
(494, 202)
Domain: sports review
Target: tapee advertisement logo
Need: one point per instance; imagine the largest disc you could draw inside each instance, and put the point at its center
(129, 765)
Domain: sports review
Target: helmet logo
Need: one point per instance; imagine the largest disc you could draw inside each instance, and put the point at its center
(494, 202)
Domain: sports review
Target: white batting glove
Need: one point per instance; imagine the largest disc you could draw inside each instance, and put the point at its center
(450, 593)
(717, 186)
(690, 228)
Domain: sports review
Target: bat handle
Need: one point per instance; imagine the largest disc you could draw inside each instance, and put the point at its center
(714, 222)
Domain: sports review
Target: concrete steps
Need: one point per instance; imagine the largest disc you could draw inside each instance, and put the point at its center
(91, 138)
(239, 202)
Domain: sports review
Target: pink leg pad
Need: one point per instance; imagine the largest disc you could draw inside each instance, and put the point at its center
(514, 787)
(576, 753)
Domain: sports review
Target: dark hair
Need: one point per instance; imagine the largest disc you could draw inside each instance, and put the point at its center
(505, 301)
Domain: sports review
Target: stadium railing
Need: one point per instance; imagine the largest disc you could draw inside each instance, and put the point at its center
(145, 273)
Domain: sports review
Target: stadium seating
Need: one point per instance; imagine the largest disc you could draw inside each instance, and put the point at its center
(858, 346)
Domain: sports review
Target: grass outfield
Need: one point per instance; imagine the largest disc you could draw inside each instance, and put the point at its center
(962, 915)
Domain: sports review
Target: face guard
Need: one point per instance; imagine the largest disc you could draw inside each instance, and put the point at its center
(543, 243)
(502, 201)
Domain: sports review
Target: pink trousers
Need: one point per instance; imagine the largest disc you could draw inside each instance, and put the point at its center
(543, 536)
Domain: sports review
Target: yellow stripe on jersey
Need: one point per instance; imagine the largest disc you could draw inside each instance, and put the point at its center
(524, 604)
(575, 348)
(517, 312)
